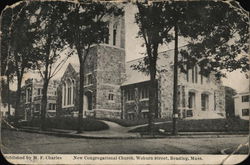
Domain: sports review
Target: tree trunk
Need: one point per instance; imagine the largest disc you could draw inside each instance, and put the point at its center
(18, 97)
(8, 93)
(81, 93)
(175, 89)
(44, 103)
(151, 97)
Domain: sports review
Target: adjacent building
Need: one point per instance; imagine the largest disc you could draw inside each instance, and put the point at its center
(242, 104)
(31, 97)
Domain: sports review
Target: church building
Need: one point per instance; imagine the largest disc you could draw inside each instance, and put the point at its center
(113, 89)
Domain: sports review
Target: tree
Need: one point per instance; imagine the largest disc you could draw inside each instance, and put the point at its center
(16, 47)
(48, 46)
(85, 26)
(6, 64)
(209, 31)
(154, 27)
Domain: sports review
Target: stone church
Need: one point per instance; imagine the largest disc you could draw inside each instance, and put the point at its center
(114, 90)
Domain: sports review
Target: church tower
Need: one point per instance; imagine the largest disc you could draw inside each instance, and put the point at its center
(104, 70)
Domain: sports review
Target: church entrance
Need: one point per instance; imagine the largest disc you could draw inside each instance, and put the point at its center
(87, 103)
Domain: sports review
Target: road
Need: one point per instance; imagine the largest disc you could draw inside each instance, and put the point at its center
(14, 142)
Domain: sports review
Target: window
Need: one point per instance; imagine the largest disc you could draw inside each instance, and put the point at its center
(106, 37)
(196, 74)
(192, 75)
(28, 95)
(39, 91)
(245, 112)
(52, 106)
(189, 113)
(245, 98)
(191, 100)
(201, 79)
(144, 93)
(64, 94)
(114, 33)
(111, 96)
(67, 93)
(37, 107)
(130, 95)
(187, 74)
(204, 102)
(89, 79)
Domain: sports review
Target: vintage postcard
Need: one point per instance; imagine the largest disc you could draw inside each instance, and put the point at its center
(124, 82)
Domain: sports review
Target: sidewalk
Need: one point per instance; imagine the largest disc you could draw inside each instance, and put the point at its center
(117, 131)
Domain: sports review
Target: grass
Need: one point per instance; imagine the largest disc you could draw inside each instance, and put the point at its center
(68, 123)
(129, 123)
(205, 125)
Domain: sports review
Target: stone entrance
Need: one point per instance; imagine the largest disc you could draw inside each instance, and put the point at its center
(87, 104)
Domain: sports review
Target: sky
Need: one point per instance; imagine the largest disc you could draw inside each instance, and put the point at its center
(134, 50)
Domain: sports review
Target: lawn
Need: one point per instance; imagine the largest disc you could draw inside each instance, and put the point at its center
(129, 123)
(205, 125)
(68, 123)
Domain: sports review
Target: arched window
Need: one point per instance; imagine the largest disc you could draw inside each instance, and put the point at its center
(64, 94)
(68, 92)
(72, 92)
(106, 37)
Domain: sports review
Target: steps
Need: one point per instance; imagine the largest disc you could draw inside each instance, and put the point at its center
(206, 115)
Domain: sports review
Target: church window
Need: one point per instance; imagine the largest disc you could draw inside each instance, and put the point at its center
(39, 91)
(245, 98)
(68, 93)
(196, 74)
(28, 95)
(106, 37)
(204, 102)
(191, 100)
(192, 75)
(245, 112)
(111, 97)
(130, 95)
(114, 34)
(144, 93)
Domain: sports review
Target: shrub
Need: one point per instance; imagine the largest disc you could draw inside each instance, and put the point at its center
(68, 123)
(205, 125)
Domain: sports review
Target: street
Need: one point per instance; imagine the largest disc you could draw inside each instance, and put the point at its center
(14, 142)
